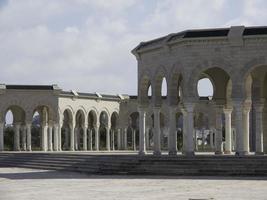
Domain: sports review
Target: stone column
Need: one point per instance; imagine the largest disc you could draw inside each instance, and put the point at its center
(29, 136)
(23, 138)
(85, 137)
(259, 128)
(228, 130)
(142, 129)
(113, 140)
(50, 137)
(134, 139)
(17, 137)
(67, 138)
(44, 136)
(172, 137)
(125, 139)
(147, 138)
(119, 138)
(97, 137)
(211, 139)
(76, 132)
(189, 148)
(184, 130)
(60, 137)
(238, 111)
(56, 134)
(2, 136)
(108, 138)
(91, 139)
(156, 136)
(218, 135)
(246, 111)
(72, 146)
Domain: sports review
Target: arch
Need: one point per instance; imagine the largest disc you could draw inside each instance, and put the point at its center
(67, 125)
(92, 118)
(104, 118)
(12, 131)
(114, 119)
(208, 67)
(175, 92)
(36, 131)
(52, 114)
(143, 86)
(205, 87)
(159, 76)
(218, 77)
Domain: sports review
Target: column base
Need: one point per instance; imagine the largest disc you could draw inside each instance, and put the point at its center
(241, 153)
(172, 153)
(141, 153)
(227, 152)
(157, 153)
(259, 153)
(218, 153)
(189, 153)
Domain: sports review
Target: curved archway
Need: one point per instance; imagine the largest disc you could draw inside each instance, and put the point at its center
(104, 135)
(66, 129)
(144, 88)
(80, 134)
(205, 88)
(13, 130)
(254, 116)
(114, 120)
(93, 136)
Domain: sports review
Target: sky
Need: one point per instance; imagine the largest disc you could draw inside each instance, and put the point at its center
(85, 45)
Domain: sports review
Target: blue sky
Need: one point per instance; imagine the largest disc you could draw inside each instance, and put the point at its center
(85, 45)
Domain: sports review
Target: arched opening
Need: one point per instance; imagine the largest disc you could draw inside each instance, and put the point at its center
(255, 87)
(205, 88)
(144, 92)
(36, 131)
(164, 87)
(92, 120)
(179, 130)
(13, 133)
(213, 87)
(66, 130)
(114, 130)
(9, 132)
(133, 131)
(79, 130)
(164, 131)
(149, 92)
(103, 134)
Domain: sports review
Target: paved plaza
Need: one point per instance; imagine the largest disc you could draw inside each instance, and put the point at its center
(29, 184)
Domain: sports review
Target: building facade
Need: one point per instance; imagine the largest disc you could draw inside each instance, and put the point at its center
(232, 120)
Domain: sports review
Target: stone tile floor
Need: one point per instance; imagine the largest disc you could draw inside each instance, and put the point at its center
(30, 184)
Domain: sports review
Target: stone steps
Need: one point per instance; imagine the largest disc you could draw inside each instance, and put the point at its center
(144, 165)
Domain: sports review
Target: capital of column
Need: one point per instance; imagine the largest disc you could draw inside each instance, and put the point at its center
(85, 126)
(97, 125)
(142, 108)
(172, 108)
(227, 111)
(259, 105)
(156, 109)
(189, 107)
(17, 124)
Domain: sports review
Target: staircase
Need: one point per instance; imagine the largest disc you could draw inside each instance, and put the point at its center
(201, 165)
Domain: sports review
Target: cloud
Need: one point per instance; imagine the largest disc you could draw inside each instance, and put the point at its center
(85, 44)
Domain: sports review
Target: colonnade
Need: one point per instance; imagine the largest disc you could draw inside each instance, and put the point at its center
(242, 126)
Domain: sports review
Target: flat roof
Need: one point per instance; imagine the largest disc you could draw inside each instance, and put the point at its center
(30, 87)
(199, 33)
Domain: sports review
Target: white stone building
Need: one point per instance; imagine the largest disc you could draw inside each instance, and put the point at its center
(233, 59)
